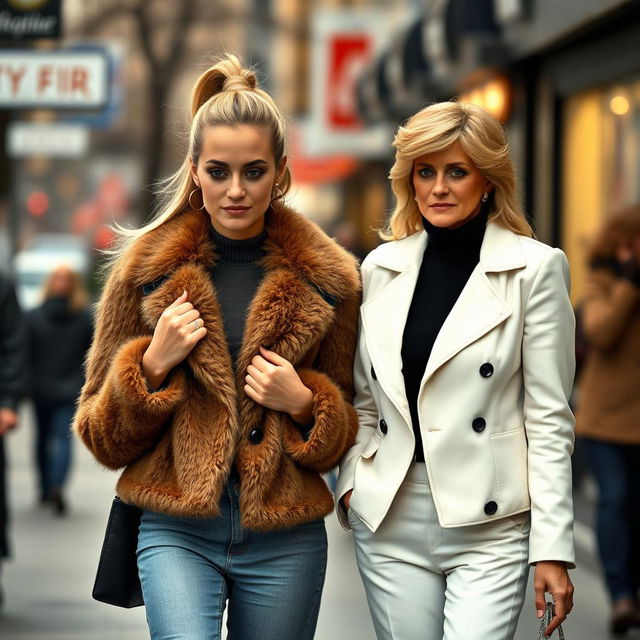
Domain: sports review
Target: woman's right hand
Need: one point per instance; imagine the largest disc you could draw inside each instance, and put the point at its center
(173, 339)
(345, 500)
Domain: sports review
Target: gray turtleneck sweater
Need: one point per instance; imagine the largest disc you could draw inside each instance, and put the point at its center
(236, 277)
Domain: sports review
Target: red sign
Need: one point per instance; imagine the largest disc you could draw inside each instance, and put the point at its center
(348, 54)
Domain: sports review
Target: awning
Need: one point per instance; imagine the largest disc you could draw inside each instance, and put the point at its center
(418, 66)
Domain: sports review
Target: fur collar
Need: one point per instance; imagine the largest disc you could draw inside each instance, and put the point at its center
(293, 243)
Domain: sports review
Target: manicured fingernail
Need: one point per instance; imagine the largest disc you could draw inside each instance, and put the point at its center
(539, 613)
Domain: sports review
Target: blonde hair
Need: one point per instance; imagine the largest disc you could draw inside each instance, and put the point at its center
(482, 138)
(78, 299)
(225, 94)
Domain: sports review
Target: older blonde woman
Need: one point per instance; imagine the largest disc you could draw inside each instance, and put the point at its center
(460, 477)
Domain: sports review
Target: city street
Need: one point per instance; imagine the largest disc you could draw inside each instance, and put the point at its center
(48, 583)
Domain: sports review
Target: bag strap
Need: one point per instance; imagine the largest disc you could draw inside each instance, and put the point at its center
(549, 612)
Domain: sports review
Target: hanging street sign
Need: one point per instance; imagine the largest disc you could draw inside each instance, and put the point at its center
(53, 79)
(30, 19)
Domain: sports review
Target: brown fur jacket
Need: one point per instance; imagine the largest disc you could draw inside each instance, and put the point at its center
(178, 444)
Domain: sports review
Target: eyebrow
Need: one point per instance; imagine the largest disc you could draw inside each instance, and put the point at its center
(450, 164)
(226, 165)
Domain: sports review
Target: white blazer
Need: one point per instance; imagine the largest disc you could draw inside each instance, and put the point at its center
(493, 402)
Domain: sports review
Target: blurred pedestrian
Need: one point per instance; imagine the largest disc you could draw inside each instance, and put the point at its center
(12, 383)
(221, 377)
(346, 234)
(59, 332)
(608, 415)
(461, 475)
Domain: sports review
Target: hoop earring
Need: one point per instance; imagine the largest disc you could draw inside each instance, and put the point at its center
(485, 196)
(191, 205)
(277, 194)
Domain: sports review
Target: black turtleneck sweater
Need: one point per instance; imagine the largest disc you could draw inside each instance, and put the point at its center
(449, 258)
(236, 277)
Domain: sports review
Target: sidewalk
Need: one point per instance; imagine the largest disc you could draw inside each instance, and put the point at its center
(48, 582)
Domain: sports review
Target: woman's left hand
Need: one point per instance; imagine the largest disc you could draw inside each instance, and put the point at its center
(273, 382)
(552, 576)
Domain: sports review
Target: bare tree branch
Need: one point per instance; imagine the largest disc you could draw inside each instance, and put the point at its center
(97, 22)
(143, 27)
(178, 43)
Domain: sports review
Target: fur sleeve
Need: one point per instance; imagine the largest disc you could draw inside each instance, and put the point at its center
(117, 418)
(331, 380)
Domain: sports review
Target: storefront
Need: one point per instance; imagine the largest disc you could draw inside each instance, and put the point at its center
(565, 80)
(581, 125)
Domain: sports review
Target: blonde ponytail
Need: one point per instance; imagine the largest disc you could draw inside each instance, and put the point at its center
(227, 75)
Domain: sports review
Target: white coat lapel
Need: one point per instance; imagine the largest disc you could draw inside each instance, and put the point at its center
(384, 315)
(480, 307)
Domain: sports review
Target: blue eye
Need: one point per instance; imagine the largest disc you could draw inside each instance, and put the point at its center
(217, 174)
(254, 174)
(425, 172)
(457, 172)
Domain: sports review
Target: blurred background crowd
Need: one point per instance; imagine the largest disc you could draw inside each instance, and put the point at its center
(93, 112)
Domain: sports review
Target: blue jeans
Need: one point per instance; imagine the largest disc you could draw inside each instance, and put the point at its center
(616, 468)
(53, 445)
(189, 568)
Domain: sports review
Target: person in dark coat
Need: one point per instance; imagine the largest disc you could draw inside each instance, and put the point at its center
(60, 333)
(12, 375)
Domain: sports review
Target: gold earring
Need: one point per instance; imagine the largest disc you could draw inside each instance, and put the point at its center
(277, 193)
(191, 205)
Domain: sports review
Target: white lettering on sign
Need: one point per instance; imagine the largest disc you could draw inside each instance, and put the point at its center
(58, 139)
(17, 26)
(53, 79)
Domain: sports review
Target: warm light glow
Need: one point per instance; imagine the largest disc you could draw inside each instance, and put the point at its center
(493, 95)
(619, 105)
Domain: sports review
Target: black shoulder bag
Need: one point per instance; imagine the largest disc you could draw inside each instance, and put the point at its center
(117, 580)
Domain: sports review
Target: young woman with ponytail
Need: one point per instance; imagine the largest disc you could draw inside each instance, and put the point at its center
(220, 378)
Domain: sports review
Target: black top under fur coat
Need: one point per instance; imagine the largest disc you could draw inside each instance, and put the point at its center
(449, 258)
(237, 275)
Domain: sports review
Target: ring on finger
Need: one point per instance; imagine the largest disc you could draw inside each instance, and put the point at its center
(196, 323)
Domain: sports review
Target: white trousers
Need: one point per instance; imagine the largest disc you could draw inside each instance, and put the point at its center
(424, 582)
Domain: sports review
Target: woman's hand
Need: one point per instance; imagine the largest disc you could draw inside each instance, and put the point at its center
(552, 576)
(174, 338)
(273, 382)
(8, 419)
